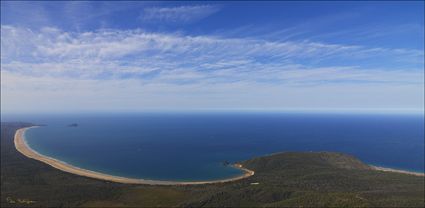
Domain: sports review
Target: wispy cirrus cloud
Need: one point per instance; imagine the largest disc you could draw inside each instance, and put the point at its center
(145, 69)
(178, 14)
(110, 54)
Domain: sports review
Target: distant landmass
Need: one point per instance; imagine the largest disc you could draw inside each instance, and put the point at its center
(73, 125)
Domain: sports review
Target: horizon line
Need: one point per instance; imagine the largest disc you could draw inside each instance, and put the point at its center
(217, 110)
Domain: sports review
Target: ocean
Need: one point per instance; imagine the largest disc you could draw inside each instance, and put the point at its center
(194, 146)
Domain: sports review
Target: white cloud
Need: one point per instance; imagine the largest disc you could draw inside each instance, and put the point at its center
(48, 94)
(110, 54)
(180, 14)
(135, 69)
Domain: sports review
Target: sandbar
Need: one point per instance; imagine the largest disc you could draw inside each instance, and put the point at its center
(22, 146)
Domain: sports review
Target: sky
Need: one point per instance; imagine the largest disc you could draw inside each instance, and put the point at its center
(141, 56)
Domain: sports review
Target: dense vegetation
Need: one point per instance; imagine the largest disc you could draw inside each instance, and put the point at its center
(286, 179)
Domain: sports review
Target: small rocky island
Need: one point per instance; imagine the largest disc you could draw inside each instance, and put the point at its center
(225, 163)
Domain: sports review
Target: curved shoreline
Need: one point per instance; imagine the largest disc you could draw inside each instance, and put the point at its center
(22, 147)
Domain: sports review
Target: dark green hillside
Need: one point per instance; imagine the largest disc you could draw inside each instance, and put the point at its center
(292, 179)
(295, 160)
(317, 179)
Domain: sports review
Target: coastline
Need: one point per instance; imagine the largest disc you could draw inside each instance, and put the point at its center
(378, 168)
(22, 147)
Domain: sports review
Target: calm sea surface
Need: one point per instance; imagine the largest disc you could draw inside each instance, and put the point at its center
(193, 146)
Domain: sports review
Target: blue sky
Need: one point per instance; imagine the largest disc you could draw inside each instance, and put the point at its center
(137, 56)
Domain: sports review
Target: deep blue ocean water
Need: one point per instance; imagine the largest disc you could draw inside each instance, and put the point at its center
(192, 146)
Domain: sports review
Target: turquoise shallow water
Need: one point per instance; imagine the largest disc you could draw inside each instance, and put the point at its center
(193, 146)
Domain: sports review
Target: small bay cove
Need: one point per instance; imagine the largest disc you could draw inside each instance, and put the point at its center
(196, 155)
(22, 146)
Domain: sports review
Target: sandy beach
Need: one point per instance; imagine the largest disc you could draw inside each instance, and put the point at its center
(22, 147)
(397, 171)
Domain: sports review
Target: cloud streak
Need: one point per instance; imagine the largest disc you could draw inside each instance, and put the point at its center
(179, 14)
(131, 95)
